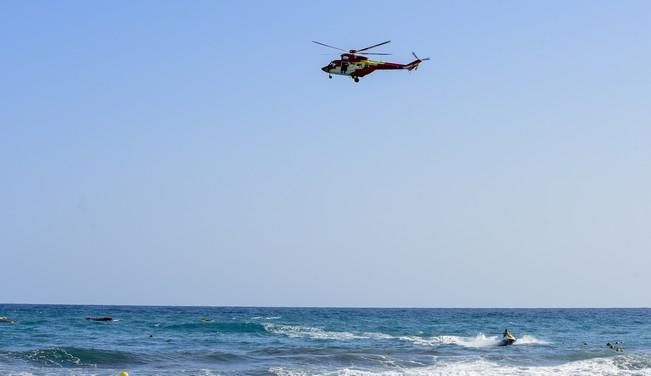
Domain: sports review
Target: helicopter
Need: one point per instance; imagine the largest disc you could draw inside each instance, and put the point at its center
(355, 65)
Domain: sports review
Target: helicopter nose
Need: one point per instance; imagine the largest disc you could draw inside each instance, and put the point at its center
(325, 69)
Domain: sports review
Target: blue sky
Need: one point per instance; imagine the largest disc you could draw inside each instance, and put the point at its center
(161, 152)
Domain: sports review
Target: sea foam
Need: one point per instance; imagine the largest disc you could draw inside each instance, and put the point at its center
(622, 366)
(480, 340)
(294, 331)
(297, 331)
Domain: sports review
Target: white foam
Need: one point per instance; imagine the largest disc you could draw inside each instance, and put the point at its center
(280, 371)
(480, 367)
(376, 335)
(207, 372)
(294, 331)
(530, 340)
(597, 366)
(480, 340)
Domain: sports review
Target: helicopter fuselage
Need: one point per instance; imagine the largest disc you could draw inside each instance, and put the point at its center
(359, 66)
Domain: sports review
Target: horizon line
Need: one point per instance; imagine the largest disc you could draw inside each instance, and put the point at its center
(318, 307)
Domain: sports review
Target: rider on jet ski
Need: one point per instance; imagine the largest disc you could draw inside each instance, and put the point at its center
(507, 335)
(507, 338)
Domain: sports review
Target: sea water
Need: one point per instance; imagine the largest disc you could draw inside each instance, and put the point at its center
(58, 340)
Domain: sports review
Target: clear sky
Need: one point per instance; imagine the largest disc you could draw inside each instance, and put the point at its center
(193, 153)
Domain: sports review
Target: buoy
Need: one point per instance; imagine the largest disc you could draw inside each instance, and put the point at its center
(124, 373)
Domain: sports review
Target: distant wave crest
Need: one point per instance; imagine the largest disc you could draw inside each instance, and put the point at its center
(266, 317)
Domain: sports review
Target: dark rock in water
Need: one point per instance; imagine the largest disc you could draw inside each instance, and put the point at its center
(6, 320)
(103, 318)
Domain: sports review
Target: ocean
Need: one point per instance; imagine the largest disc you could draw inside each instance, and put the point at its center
(58, 340)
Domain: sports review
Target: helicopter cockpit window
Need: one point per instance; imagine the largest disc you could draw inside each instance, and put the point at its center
(344, 57)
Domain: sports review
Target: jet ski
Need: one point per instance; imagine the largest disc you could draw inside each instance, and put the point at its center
(508, 339)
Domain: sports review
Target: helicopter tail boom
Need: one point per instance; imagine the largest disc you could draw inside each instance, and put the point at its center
(413, 65)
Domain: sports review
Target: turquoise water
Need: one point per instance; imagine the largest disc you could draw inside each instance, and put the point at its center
(57, 340)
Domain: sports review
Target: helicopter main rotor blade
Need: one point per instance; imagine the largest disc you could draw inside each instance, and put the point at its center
(323, 44)
(373, 46)
(372, 53)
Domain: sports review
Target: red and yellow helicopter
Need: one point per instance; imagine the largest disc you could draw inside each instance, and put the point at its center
(354, 65)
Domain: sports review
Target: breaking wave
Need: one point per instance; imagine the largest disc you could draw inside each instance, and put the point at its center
(620, 365)
(480, 340)
(295, 331)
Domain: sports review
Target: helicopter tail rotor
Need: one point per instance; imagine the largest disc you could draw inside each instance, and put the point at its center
(414, 64)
